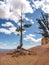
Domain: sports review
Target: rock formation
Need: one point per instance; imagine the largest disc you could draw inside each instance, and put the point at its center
(45, 40)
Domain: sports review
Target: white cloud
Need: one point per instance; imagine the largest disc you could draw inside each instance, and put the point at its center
(31, 21)
(31, 38)
(31, 35)
(7, 24)
(4, 10)
(43, 4)
(10, 9)
(11, 29)
(2, 30)
(28, 19)
(19, 24)
(16, 5)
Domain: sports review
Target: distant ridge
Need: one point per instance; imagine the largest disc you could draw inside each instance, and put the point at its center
(5, 50)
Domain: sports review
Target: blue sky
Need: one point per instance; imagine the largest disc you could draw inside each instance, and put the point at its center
(9, 17)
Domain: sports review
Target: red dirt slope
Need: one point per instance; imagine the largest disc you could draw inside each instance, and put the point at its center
(39, 56)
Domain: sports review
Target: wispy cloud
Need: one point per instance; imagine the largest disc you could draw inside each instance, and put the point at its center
(7, 24)
(2, 30)
(10, 9)
(43, 4)
(30, 20)
(11, 29)
(31, 38)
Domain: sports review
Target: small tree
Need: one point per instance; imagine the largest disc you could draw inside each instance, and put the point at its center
(20, 29)
(44, 25)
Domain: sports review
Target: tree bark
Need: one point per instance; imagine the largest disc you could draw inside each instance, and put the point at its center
(21, 43)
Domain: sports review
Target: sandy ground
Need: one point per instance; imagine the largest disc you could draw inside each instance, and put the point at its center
(39, 56)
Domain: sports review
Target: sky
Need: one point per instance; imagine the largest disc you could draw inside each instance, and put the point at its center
(10, 12)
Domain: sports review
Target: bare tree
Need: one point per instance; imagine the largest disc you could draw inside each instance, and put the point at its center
(44, 26)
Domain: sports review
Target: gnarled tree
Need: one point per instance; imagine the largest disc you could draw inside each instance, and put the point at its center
(44, 26)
